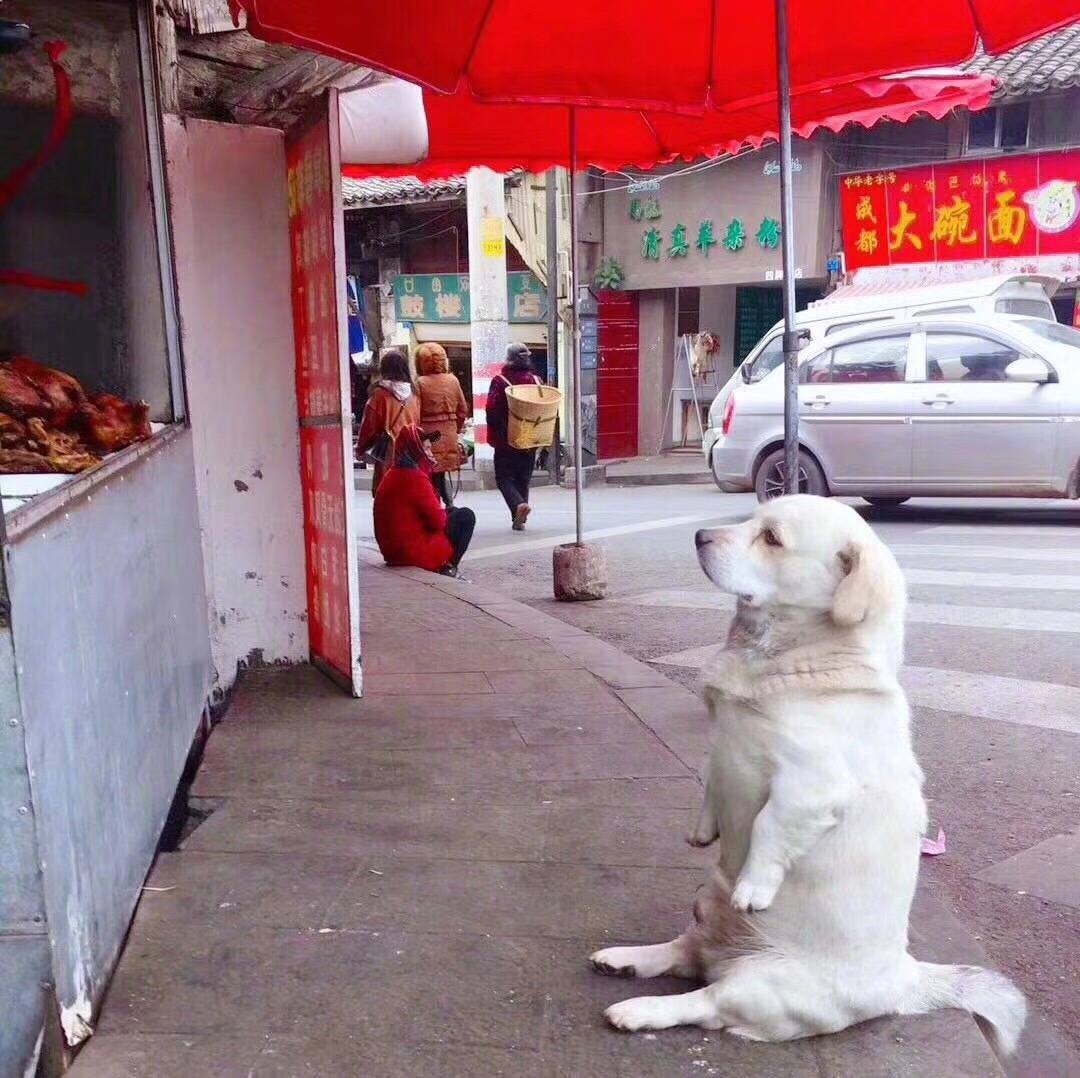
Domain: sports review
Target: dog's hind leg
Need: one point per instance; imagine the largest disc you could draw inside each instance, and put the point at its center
(679, 958)
(762, 997)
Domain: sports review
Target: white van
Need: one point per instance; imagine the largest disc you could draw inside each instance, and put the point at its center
(1018, 295)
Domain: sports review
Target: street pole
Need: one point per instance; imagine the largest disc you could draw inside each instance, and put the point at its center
(575, 327)
(551, 195)
(787, 244)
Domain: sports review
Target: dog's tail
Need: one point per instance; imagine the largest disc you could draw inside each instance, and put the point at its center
(982, 992)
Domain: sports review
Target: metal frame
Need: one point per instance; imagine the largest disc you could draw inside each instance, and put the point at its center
(575, 330)
(155, 145)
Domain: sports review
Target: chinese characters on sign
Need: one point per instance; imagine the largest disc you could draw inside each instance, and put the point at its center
(1022, 206)
(652, 239)
(325, 421)
(444, 297)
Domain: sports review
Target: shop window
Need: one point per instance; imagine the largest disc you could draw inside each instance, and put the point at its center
(688, 305)
(89, 358)
(1001, 128)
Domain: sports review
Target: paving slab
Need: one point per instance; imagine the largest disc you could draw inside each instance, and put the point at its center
(1049, 870)
(410, 883)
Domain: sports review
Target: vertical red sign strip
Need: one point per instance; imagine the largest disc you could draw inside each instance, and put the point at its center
(317, 242)
(995, 208)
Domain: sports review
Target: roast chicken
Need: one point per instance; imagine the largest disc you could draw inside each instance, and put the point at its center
(49, 424)
(19, 397)
(109, 423)
(62, 391)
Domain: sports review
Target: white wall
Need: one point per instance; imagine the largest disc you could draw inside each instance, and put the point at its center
(230, 224)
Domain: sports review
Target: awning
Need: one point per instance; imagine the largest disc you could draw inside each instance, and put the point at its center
(683, 54)
(446, 135)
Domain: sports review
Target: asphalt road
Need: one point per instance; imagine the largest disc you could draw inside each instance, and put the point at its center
(992, 671)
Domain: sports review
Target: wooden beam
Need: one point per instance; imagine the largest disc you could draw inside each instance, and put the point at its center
(168, 71)
(203, 16)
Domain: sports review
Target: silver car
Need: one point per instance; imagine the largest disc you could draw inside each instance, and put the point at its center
(950, 406)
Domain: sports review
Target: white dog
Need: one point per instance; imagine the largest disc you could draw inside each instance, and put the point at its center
(815, 797)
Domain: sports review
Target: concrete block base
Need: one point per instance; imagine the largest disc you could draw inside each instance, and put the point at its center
(580, 572)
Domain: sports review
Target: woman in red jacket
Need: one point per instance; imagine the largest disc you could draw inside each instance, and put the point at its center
(411, 526)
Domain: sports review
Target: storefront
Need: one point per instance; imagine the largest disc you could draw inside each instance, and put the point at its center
(1018, 213)
(701, 249)
(174, 461)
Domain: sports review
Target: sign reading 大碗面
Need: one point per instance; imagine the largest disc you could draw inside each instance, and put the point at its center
(444, 297)
(719, 225)
(997, 209)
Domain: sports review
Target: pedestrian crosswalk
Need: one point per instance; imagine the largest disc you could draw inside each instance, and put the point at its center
(1028, 702)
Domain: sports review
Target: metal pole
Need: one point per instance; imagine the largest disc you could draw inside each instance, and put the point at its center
(575, 326)
(787, 242)
(551, 194)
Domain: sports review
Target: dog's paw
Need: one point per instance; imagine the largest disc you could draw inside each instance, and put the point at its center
(752, 893)
(613, 962)
(644, 1012)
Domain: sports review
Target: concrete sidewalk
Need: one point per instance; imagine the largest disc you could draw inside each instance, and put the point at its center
(411, 883)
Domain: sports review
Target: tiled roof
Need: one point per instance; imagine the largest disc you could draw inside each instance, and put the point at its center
(1043, 66)
(376, 191)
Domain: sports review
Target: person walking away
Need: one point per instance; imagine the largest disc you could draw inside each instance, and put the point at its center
(391, 405)
(513, 467)
(442, 409)
(411, 527)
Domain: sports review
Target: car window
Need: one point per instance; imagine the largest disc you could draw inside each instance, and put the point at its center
(1035, 308)
(879, 359)
(1053, 331)
(767, 360)
(966, 357)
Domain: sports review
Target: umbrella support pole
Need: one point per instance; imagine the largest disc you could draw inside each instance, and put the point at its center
(787, 242)
(580, 569)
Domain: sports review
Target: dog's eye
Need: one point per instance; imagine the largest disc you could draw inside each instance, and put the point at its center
(771, 538)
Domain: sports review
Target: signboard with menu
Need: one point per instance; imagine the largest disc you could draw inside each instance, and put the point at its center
(1017, 207)
(317, 243)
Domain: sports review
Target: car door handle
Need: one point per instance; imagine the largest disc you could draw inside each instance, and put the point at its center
(818, 401)
(939, 401)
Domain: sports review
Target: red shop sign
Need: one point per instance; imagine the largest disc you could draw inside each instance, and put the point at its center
(991, 208)
(317, 240)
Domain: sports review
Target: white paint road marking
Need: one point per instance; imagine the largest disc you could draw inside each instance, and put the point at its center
(982, 696)
(1006, 553)
(600, 533)
(985, 531)
(948, 578)
(1014, 619)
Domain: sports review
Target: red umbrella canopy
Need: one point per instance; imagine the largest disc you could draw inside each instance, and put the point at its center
(463, 132)
(681, 55)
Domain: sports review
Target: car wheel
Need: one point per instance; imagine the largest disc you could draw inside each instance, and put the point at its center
(769, 478)
(884, 503)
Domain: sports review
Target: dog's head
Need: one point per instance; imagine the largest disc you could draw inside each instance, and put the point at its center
(806, 552)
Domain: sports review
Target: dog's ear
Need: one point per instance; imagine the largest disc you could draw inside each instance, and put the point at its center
(872, 583)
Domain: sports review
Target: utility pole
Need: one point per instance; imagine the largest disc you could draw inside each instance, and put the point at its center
(486, 207)
(551, 195)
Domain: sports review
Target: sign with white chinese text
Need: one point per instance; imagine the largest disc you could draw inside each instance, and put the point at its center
(999, 208)
(444, 297)
(317, 242)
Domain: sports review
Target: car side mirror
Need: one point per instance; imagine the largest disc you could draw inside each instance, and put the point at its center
(1029, 369)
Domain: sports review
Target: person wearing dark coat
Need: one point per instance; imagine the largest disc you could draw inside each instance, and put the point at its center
(411, 526)
(513, 467)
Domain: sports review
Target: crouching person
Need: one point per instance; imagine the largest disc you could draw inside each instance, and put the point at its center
(411, 526)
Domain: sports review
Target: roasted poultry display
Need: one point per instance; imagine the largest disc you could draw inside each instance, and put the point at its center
(48, 423)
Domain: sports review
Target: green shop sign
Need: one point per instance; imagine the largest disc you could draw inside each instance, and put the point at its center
(444, 297)
(675, 243)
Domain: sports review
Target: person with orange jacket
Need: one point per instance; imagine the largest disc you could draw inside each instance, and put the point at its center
(391, 405)
(411, 526)
(442, 408)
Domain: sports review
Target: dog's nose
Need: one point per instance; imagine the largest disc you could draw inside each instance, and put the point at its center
(701, 538)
